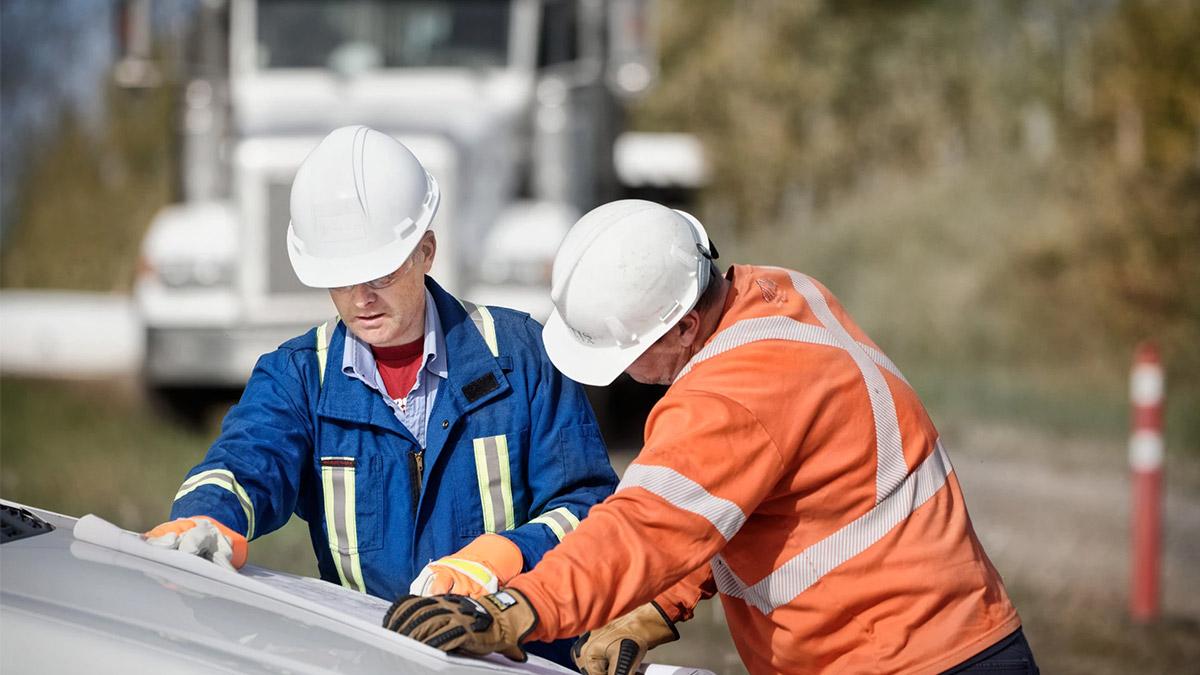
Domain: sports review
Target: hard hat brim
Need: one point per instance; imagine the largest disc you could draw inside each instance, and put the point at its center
(359, 269)
(590, 364)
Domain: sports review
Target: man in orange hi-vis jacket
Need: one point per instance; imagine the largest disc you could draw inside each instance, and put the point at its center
(790, 466)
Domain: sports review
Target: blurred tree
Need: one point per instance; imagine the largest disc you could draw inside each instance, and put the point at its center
(1027, 169)
(87, 198)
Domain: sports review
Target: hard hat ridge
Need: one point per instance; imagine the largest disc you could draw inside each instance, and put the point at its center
(624, 275)
(360, 203)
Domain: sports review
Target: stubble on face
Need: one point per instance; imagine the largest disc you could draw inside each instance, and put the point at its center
(389, 316)
(660, 363)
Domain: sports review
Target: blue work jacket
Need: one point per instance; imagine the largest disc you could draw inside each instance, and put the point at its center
(512, 448)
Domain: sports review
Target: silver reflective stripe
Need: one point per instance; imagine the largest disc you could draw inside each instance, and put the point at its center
(684, 493)
(883, 361)
(891, 467)
(764, 328)
(222, 478)
(484, 323)
(560, 521)
(779, 328)
(889, 450)
(802, 571)
(340, 523)
(495, 488)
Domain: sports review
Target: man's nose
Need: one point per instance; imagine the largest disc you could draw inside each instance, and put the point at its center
(363, 295)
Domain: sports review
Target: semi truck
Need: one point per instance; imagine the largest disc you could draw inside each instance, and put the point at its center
(517, 107)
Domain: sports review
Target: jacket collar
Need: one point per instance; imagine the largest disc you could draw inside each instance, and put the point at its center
(475, 377)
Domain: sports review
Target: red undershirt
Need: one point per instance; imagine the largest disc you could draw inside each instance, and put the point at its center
(399, 365)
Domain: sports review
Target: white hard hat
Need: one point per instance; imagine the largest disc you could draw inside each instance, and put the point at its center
(624, 275)
(360, 203)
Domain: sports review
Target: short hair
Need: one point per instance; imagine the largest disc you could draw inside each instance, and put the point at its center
(709, 298)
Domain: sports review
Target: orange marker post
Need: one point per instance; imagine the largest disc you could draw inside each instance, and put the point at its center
(1146, 463)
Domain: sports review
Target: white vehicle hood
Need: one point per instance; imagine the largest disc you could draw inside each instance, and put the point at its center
(90, 597)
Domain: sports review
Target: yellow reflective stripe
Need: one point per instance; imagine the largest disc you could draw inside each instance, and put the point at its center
(510, 520)
(340, 523)
(222, 478)
(495, 488)
(470, 568)
(488, 328)
(561, 521)
(485, 495)
(324, 337)
(352, 530)
(482, 318)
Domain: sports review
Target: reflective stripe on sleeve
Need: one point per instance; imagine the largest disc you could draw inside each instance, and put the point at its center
(495, 486)
(684, 493)
(561, 521)
(222, 478)
(808, 567)
(337, 479)
(484, 323)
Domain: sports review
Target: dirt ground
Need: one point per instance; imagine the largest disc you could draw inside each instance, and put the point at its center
(1053, 514)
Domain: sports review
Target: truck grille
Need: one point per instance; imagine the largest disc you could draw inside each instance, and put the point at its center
(280, 277)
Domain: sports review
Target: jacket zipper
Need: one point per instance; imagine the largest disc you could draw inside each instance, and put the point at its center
(416, 466)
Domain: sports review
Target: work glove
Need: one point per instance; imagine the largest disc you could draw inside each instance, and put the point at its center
(479, 568)
(493, 623)
(619, 647)
(201, 536)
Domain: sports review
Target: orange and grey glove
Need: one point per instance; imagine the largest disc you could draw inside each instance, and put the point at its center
(479, 568)
(493, 623)
(201, 536)
(619, 647)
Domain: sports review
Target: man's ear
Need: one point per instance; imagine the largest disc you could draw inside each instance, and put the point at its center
(428, 248)
(689, 328)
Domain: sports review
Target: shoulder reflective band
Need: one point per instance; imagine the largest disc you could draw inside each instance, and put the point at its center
(495, 486)
(221, 478)
(684, 493)
(337, 479)
(808, 567)
(324, 339)
(484, 323)
(889, 450)
(561, 521)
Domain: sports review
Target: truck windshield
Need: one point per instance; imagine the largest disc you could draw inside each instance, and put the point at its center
(359, 35)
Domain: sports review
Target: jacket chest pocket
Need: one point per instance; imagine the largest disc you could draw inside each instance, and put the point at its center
(351, 490)
(495, 459)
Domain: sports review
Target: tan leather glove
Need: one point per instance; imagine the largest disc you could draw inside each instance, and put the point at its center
(493, 623)
(619, 647)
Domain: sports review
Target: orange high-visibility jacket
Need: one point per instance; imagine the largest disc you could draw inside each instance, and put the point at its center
(793, 462)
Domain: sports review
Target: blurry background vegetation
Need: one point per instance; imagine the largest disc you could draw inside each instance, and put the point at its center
(1006, 195)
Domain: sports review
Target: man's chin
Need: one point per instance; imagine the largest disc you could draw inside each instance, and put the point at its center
(375, 336)
(647, 379)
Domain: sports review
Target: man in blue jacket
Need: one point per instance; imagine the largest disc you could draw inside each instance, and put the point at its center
(429, 443)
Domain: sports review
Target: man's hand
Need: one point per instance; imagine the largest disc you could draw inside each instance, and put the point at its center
(201, 536)
(619, 647)
(481, 567)
(493, 623)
